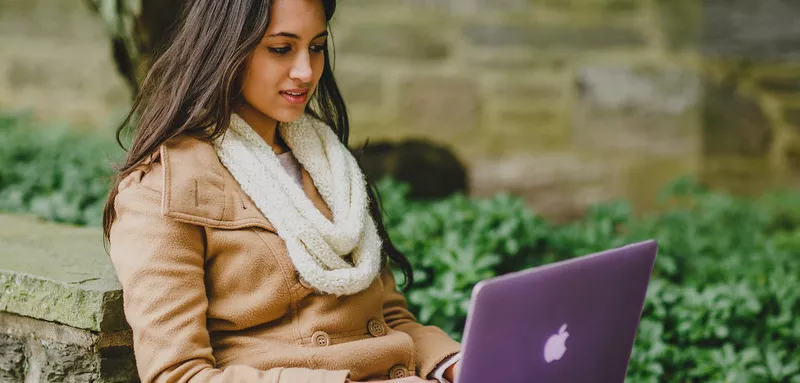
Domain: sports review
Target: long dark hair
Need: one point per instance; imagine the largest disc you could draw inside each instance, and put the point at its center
(195, 82)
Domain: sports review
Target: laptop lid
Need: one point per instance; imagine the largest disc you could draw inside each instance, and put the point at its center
(571, 321)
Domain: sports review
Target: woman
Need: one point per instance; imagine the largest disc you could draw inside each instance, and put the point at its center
(248, 245)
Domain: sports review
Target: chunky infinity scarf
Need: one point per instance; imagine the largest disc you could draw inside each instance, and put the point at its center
(316, 245)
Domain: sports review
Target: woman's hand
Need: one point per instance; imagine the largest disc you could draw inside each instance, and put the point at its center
(410, 379)
(450, 373)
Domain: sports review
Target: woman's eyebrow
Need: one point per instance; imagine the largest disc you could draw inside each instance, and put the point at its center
(294, 36)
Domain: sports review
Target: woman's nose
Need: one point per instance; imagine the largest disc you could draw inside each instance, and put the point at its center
(301, 70)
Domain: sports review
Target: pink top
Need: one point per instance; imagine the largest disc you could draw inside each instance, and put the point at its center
(292, 166)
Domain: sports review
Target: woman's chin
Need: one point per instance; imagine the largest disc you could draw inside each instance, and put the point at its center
(289, 115)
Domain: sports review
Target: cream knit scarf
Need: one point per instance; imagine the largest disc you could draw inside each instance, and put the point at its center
(315, 245)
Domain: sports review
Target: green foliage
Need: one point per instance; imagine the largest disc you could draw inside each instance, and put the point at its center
(722, 306)
(464, 241)
(52, 172)
(723, 303)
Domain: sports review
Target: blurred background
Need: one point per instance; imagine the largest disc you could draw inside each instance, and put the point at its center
(522, 132)
(563, 102)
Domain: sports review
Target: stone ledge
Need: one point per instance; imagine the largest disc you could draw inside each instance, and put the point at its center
(58, 273)
(33, 350)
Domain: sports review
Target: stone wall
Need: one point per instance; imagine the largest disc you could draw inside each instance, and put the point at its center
(751, 130)
(56, 61)
(571, 102)
(61, 316)
(565, 102)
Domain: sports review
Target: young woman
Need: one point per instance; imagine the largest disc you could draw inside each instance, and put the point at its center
(248, 245)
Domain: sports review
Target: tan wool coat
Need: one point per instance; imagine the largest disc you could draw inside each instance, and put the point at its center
(211, 294)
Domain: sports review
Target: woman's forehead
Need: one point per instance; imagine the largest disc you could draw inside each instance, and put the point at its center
(303, 18)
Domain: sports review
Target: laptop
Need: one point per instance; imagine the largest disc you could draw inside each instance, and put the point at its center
(571, 321)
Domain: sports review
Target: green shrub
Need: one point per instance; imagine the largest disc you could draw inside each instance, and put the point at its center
(723, 302)
(53, 172)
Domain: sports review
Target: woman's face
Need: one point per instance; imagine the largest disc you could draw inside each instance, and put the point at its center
(284, 70)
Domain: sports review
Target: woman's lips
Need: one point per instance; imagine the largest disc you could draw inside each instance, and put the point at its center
(295, 96)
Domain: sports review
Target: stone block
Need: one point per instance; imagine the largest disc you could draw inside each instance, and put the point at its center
(430, 3)
(660, 90)
(53, 352)
(444, 107)
(476, 6)
(517, 61)
(67, 363)
(360, 88)
(83, 88)
(12, 359)
(745, 176)
(638, 110)
(61, 317)
(553, 37)
(344, 8)
(62, 20)
(58, 273)
(792, 116)
(117, 364)
(557, 185)
(763, 29)
(525, 130)
(734, 125)
(792, 153)
(781, 85)
(679, 21)
(518, 91)
(526, 117)
(366, 3)
(604, 6)
(452, 6)
(412, 42)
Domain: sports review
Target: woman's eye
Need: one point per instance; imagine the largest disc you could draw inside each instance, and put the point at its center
(317, 48)
(280, 50)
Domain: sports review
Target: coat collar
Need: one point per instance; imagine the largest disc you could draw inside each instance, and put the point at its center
(198, 189)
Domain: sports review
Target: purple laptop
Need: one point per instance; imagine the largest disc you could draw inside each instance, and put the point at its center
(571, 321)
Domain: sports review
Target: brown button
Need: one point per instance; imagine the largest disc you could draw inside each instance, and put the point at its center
(376, 328)
(397, 372)
(321, 339)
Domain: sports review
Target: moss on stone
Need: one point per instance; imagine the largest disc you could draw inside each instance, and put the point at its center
(58, 273)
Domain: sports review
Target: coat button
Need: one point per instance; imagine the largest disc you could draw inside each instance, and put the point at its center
(376, 328)
(321, 339)
(397, 372)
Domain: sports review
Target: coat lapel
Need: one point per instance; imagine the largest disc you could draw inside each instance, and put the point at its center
(198, 189)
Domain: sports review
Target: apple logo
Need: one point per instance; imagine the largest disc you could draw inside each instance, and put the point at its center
(556, 346)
